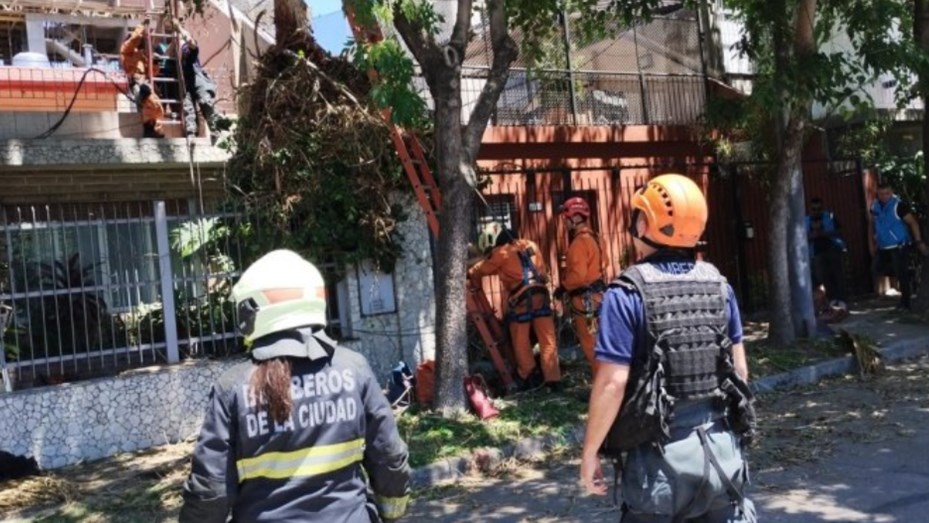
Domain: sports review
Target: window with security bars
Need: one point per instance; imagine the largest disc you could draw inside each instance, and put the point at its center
(498, 208)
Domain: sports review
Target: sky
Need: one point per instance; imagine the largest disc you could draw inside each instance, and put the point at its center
(329, 25)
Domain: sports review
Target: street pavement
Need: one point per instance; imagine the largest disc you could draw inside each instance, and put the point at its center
(870, 465)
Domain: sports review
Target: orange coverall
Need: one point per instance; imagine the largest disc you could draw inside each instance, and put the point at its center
(134, 60)
(584, 265)
(504, 261)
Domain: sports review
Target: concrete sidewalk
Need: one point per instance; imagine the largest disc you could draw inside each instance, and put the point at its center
(875, 319)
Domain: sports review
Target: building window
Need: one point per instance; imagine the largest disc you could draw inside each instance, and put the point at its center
(338, 307)
(116, 259)
(12, 40)
(499, 208)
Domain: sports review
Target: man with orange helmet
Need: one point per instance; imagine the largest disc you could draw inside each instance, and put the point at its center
(671, 391)
(582, 282)
(518, 262)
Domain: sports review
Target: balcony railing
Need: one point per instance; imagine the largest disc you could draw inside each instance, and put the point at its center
(592, 98)
(119, 6)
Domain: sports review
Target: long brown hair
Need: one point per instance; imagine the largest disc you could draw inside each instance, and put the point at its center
(270, 383)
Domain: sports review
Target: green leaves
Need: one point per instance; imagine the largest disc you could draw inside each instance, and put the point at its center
(394, 90)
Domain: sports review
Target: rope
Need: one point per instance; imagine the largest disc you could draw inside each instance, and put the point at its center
(77, 90)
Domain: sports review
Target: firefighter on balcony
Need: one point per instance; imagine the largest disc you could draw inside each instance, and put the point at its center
(199, 88)
(584, 272)
(671, 392)
(518, 262)
(297, 432)
(133, 57)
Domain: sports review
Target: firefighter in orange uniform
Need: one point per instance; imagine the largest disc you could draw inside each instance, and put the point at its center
(518, 262)
(583, 280)
(134, 60)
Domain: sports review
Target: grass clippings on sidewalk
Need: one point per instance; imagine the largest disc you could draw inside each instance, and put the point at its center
(538, 413)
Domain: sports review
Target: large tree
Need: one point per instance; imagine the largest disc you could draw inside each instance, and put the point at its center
(438, 38)
(786, 39)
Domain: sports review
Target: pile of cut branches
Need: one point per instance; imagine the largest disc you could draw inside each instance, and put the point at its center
(313, 159)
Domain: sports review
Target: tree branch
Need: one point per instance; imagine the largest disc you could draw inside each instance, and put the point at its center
(804, 42)
(418, 40)
(505, 52)
(462, 27)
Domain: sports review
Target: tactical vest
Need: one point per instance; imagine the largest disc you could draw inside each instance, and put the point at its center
(520, 301)
(686, 356)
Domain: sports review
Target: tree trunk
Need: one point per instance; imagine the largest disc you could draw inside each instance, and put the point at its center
(290, 18)
(799, 258)
(791, 305)
(801, 285)
(452, 250)
(921, 35)
(781, 327)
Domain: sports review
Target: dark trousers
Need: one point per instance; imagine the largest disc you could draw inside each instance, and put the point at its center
(896, 263)
(200, 96)
(828, 270)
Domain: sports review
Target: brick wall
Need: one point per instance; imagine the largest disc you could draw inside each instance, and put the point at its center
(126, 183)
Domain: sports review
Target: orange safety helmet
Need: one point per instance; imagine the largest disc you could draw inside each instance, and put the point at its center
(575, 206)
(675, 210)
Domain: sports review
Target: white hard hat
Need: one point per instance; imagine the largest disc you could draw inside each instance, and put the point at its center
(279, 292)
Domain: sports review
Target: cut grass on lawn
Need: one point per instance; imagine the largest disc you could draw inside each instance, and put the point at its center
(765, 359)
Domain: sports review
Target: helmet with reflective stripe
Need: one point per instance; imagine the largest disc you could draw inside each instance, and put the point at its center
(674, 209)
(279, 292)
(492, 235)
(575, 206)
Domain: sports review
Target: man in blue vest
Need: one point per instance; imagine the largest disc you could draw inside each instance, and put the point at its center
(894, 231)
(826, 249)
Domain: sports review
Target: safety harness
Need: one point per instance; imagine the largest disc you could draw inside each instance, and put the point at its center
(520, 301)
(590, 307)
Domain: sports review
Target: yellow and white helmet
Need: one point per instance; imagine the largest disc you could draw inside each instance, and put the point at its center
(279, 292)
(487, 239)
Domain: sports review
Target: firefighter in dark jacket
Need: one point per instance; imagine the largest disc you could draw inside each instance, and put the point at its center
(298, 432)
(671, 395)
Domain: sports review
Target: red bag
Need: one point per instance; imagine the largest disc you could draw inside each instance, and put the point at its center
(476, 390)
(425, 382)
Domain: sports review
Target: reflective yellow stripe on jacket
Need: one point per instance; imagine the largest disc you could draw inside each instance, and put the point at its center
(311, 461)
(392, 508)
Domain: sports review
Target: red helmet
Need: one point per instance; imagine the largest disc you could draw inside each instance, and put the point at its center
(575, 206)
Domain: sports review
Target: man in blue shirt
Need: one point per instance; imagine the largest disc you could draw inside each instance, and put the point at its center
(670, 398)
(894, 231)
(826, 250)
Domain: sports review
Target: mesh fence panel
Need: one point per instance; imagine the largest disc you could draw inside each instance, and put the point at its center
(650, 73)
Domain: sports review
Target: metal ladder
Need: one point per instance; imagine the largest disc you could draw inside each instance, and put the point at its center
(171, 106)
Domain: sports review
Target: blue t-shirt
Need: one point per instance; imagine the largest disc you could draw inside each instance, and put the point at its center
(622, 320)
